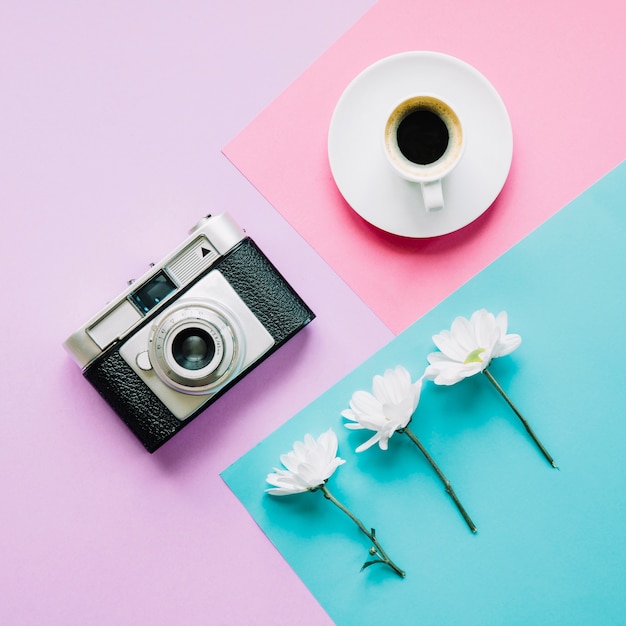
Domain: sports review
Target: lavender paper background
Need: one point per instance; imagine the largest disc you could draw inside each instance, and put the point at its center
(112, 118)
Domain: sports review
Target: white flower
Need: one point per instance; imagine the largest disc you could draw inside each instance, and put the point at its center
(468, 347)
(309, 465)
(388, 409)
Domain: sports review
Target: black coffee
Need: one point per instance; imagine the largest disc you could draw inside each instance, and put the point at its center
(422, 137)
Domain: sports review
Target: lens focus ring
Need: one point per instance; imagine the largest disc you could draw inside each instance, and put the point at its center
(194, 347)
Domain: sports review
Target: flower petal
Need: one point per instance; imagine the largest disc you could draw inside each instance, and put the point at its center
(369, 443)
(449, 346)
(392, 387)
(462, 332)
(286, 482)
(291, 461)
(435, 358)
(486, 331)
(364, 403)
(502, 322)
(449, 372)
(506, 343)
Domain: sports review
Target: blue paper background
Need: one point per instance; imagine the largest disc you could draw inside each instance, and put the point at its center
(551, 544)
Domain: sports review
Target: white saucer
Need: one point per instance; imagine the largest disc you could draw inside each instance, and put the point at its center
(360, 167)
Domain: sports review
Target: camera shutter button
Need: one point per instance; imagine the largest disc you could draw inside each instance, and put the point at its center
(200, 224)
(143, 361)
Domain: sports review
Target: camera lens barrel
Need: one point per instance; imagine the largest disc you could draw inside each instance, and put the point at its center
(196, 347)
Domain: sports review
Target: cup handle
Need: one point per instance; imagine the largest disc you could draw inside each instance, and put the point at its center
(432, 194)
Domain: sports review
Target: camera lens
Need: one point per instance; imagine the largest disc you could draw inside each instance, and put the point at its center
(193, 348)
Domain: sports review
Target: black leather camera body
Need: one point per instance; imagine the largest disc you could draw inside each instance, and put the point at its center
(188, 330)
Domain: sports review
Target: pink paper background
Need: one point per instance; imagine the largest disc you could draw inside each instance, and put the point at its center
(558, 67)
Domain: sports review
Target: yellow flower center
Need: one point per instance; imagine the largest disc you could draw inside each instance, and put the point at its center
(474, 356)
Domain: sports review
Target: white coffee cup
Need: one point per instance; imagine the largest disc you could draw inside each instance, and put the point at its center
(423, 142)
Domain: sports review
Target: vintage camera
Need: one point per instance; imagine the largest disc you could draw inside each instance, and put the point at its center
(188, 330)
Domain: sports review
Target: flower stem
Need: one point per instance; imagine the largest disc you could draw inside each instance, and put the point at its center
(443, 478)
(529, 430)
(377, 548)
